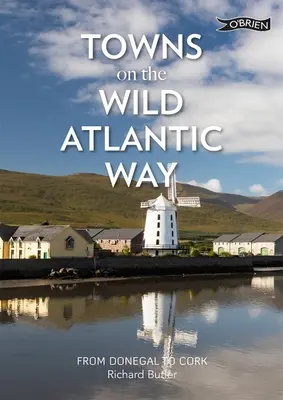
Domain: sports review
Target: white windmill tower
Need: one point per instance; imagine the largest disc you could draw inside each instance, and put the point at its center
(161, 228)
(159, 312)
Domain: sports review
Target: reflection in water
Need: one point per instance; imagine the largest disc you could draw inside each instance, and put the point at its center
(263, 283)
(210, 311)
(235, 323)
(37, 308)
(159, 313)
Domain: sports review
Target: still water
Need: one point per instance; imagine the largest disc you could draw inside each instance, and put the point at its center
(194, 339)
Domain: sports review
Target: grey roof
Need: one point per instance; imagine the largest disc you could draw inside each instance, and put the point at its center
(85, 234)
(226, 238)
(247, 237)
(94, 231)
(268, 237)
(6, 231)
(44, 232)
(120, 234)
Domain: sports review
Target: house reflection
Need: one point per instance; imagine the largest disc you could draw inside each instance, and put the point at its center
(64, 309)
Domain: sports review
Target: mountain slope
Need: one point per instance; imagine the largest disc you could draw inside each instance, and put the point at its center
(89, 200)
(270, 207)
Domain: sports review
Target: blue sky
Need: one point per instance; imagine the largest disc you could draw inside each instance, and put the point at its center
(48, 84)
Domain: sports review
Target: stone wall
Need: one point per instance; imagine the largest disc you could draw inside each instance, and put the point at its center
(40, 268)
(135, 266)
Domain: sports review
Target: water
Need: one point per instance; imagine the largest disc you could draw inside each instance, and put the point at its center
(223, 338)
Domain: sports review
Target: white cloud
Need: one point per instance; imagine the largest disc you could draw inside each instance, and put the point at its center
(244, 96)
(257, 188)
(64, 52)
(15, 8)
(212, 184)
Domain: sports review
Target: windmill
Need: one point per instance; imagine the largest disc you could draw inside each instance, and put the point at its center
(161, 228)
(159, 313)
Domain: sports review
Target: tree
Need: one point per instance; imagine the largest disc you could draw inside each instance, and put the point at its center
(96, 246)
(195, 253)
(126, 251)
(185, 247)
(225, 254)
(202, 248)
(212, 254)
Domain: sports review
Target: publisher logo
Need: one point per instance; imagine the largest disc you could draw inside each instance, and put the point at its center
(244, 23)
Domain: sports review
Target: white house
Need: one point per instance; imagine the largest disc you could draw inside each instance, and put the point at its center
(223, 243)
(243, 243)
(256, 243)
(49, 241)
(268, 244)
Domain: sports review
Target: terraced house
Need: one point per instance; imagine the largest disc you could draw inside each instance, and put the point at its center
(51, 241)
(266, 244)
(6, 232)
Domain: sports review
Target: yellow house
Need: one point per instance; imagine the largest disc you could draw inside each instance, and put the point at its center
(49, 241)
(6, 231)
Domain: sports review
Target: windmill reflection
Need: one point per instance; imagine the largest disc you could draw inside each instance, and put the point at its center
(159, 315)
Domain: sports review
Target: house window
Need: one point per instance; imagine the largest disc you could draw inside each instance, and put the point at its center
(20, 245)
(38, 254)
(20, 253)
(157, 241)
(158, 224)
(38, 244)
(70, 243)
(158, 217)
(12, 253)
(125, 241)
(158, 233)
(12, 245)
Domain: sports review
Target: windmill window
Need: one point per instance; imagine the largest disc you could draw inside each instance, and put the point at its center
(172, 225)
(172, 233)
(171, 217)
(157, 241)
(173, 242)
(70, 243)
(158, 224)
(158, 217)
(158, 233)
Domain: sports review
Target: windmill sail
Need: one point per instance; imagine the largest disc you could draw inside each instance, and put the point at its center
(180, 201)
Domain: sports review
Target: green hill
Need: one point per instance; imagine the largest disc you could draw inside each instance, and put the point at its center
(90, 200)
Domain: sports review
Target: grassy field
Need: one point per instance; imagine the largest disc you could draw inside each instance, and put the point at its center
(89, 200)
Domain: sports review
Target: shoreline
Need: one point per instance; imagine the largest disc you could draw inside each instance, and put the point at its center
(12, 283)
